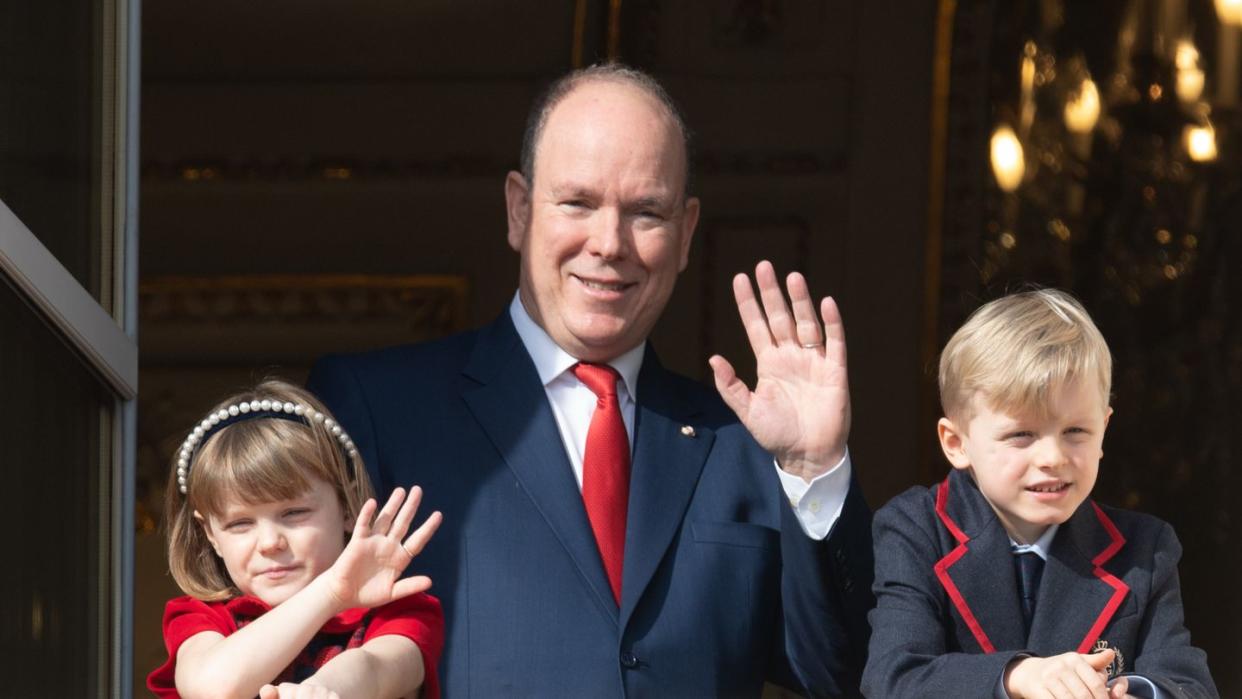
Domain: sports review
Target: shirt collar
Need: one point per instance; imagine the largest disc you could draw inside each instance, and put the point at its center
(1041, 545)
(551, 361)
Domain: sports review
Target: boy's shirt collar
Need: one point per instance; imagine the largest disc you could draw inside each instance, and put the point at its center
(1041, 545)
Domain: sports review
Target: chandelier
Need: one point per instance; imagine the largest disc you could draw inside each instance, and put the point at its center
(1113, 146)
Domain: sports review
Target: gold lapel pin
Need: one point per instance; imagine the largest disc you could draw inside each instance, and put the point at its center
(687, 431)
(1118, 665)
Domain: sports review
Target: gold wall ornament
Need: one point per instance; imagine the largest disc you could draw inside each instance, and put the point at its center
(291, 319)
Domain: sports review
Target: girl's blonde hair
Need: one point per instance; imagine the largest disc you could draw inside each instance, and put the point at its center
(258, 460)
(1015, 350)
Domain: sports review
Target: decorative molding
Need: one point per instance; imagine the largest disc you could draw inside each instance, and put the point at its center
(929, 466)
(770, 163)
(752, 24)
(335, 168)
(344, 168)
(289, 318)
(785, 37)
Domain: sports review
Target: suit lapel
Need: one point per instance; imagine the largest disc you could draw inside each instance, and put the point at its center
(509, 402)
(1077, 597)
(664, 472)
(978, 574)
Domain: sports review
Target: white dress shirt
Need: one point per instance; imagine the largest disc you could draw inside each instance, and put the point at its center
(817, 504)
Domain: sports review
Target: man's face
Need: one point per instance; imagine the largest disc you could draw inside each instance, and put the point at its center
(1033, 470)
(605, 228)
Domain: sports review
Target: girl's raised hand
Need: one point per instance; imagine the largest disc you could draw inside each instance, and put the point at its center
(368, 571)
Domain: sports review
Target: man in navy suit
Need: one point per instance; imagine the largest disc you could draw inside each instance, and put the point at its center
(625, 535)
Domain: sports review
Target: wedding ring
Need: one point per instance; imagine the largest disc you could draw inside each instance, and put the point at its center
(812, 345)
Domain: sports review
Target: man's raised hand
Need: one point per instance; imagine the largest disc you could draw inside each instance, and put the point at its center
(799, 409)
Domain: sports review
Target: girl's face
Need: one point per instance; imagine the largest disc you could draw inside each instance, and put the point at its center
(274, 549)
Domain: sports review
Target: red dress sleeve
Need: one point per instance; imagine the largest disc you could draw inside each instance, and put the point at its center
(183, 618)
(417, 617)
(420, 619)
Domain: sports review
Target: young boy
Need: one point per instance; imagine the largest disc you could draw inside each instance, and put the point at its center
(1006, 579)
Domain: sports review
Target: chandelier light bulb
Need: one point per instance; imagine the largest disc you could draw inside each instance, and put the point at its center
(1082, 109)
(1189, 84)
(1190, 77)
(1229, 12)
(1201, 143)
(1186, 56)
(1008, 163)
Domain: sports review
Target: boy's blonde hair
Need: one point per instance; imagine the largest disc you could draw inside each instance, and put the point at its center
(258, 460)
(1014, 350)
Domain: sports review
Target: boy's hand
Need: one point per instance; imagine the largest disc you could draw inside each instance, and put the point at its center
(368, 571)
(289, 690)
(1120, 689)
(800, 408)
(1075, 675)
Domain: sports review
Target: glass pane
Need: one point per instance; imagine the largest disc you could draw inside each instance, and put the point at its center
(51, 111)
(55, 441)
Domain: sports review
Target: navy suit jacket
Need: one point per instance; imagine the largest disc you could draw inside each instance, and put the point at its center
(948, 617)
(717, 573)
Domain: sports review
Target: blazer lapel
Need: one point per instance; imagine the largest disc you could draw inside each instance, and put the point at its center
(1078, 597)
(509, 402)
(978, 573)
(664, 471)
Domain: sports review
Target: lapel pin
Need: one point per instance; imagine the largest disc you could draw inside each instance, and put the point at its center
(687, 431)
(1118, 665)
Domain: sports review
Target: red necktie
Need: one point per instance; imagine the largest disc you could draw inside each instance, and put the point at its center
(606, 470)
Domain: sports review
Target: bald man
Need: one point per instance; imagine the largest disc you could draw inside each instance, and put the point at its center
(611, 528)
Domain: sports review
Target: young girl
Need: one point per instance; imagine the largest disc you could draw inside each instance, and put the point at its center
(293, 580)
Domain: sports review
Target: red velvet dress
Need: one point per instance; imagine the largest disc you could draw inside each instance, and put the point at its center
(417, 617)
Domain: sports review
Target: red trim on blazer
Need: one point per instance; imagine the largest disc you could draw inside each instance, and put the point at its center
(1120, 589)
(942, 570)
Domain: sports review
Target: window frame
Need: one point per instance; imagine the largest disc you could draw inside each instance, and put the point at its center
(103, 335)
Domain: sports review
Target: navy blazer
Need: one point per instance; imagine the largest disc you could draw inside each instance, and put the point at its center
(721, 589)
(948, 617)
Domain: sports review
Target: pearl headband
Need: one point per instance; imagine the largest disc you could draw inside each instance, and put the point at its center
(239, 412)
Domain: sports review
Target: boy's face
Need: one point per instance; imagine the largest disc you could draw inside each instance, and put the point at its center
(1034, 471)
(274, 549)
